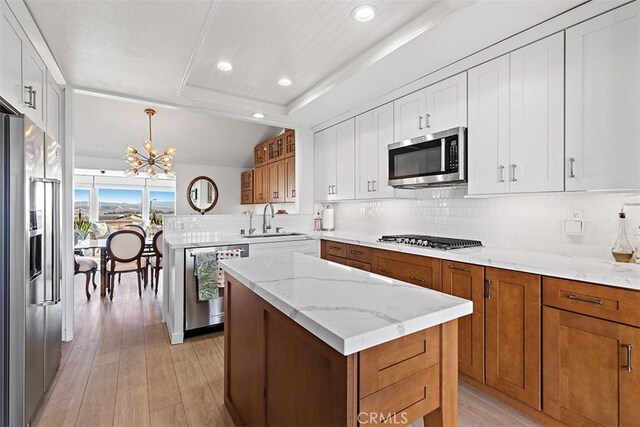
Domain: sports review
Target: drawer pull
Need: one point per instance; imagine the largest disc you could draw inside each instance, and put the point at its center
(357, 252)
(584, 299)
(629, 366)
(384, 270)
(337, 248)
(487, 288)
(419, 279)
(453, 267)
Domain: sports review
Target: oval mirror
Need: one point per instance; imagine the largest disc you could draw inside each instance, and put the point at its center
(202, 194)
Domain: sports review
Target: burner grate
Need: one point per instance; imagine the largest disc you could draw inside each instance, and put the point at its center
(445, 243)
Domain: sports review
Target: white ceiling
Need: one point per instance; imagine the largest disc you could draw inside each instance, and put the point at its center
(304, 41)
(103, 126)
(166, 50)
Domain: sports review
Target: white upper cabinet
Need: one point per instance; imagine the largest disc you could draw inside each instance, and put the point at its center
(488, 134)
(603, 105)
(345, 160)
(374, 132)
(516, 116)
(536, 119)
(54, 105)
(447, 104)
(34, 78)
(11, 48)
(335, 159)
(410, 113)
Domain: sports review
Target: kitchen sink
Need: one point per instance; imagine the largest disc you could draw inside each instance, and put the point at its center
(255, 236)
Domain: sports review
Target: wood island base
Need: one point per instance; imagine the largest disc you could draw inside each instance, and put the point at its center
(279, 374)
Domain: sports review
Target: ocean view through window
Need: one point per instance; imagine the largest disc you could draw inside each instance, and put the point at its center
(81, 203)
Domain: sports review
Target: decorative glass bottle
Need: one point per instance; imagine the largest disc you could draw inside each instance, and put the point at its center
(622, 250)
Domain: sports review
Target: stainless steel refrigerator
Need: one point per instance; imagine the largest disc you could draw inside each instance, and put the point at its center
(31, 225)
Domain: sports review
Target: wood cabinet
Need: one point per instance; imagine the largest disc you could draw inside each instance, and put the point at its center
(335, 159)
(276, 179)
(246, 187)
(275, 149)
(290, 179)
(516, 119)
(603, 105)
(260, 184)
(467, 281)
(588, 375)
(512, 316)
(419, 270)
(260, 154)
(447, 104)
(289, 143)
(438, 107)
(374, 132)
(352, 255)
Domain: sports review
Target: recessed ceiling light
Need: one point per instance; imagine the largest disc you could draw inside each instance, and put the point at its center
(258, 116)
(284, 82)
(364, 13)
(224, 66)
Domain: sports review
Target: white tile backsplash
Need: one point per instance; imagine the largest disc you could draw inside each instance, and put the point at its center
(528, 222)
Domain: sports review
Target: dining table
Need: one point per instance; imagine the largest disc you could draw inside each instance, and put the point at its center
(101, 245)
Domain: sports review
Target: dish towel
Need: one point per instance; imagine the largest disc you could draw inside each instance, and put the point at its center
(209, 275)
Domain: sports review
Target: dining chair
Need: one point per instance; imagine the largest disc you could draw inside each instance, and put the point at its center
(138, 229)
(87, 266)
(124, 251)
(156, 261)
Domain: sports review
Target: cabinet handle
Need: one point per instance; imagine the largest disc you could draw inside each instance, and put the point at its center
(419, 279)
(571, 171)
(453, 267)
(501, 179)
(368, 186)
(487, 288)
(330, 190)
(357, 252)
(334, 189)
(428, 117)
(629, 366)
(384, 270)
(420, 118)
(373, 185)
(293, 193)
(35, 98)
(585, 299)
(30, 103)
(337, 248)
(513, 173)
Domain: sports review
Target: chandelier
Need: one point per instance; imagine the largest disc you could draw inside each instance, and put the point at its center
(151, 162)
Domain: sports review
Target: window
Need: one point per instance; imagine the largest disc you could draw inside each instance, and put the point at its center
(162, 202)
(119, 205)
(81, 203)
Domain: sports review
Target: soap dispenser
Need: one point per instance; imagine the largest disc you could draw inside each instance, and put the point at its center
(622, 250)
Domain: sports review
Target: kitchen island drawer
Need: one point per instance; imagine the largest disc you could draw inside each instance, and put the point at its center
(605, 302)
(389, 363)
(359, 253)
(403, 402)
(419, 270)
(335, 248)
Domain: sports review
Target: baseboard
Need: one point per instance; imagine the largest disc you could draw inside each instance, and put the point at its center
(524, 409)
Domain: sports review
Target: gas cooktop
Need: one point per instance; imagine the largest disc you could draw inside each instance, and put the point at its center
(431, 241)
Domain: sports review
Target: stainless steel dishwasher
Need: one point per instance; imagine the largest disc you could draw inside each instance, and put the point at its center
(203, 314)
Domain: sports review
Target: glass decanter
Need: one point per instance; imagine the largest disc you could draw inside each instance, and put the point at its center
(622, 250)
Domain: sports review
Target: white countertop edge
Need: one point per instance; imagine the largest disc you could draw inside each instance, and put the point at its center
(360, 342)
(616, 279)
(233, 239)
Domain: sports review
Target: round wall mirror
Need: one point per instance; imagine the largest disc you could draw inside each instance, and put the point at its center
(202, 194)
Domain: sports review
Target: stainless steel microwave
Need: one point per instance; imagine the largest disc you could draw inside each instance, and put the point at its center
(438, 159)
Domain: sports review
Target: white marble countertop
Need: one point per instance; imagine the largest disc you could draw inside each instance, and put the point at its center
(349, 309)
(204, 239)
(567, 267)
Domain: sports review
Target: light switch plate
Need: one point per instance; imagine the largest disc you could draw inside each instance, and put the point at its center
(574, 227)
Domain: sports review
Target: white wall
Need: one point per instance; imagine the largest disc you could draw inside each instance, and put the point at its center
(531, 222)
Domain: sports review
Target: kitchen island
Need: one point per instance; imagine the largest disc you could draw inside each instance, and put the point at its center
(310, 342)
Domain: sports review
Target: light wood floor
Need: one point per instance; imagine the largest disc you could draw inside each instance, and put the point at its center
(120, 370)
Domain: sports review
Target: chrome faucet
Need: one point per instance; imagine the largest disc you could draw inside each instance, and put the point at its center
(266, 227)
(251, 229)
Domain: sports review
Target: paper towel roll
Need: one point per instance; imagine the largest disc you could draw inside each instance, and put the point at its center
(327, 219)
